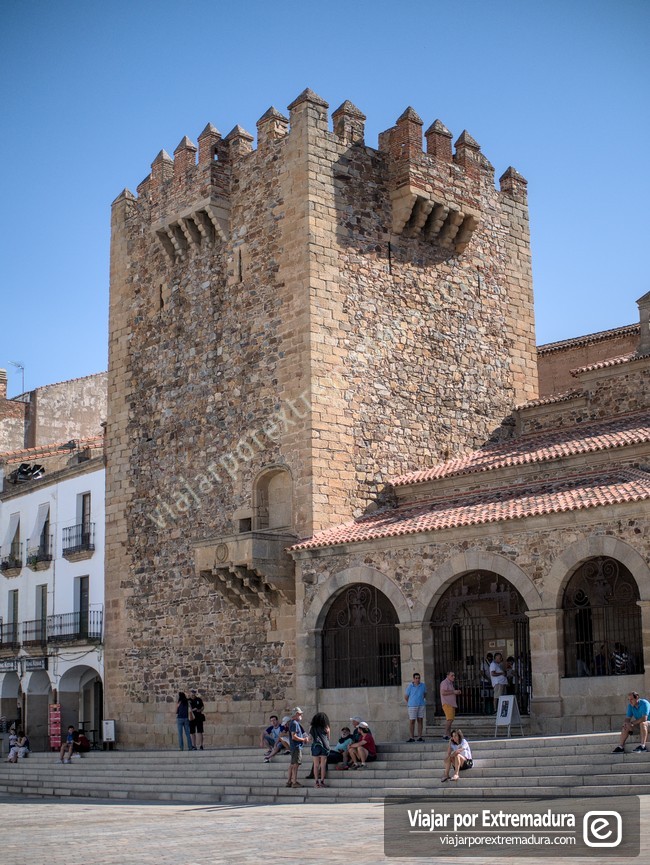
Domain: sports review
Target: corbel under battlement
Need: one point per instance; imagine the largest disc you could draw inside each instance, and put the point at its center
(203, 224)
(419, 214)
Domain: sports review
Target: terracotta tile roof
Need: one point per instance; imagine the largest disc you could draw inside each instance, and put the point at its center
(617, 486)
(611, 361)
(550, 400)
(50, 450)
(541, 447)
(590, 338)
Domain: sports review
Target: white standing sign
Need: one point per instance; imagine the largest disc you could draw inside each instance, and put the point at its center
(507, 714)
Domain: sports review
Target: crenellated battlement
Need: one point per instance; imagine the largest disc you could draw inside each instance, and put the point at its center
(436, 195)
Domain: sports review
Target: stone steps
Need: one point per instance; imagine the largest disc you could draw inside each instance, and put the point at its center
(552, 766)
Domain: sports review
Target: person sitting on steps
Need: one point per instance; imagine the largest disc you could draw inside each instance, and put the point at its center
(636, 717)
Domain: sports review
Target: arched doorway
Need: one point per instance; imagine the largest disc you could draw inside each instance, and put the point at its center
(38, 694)
(603, 633)
(360, 640)
(481, 614)
(10, 700)
(81, 699)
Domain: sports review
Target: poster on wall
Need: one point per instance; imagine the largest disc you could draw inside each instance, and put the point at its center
(54, 726)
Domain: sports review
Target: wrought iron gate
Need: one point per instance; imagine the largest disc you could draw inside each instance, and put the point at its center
(480, 609)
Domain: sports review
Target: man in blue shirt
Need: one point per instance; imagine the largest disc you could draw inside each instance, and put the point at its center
(415, 696)
(637, 716)
(297, 738)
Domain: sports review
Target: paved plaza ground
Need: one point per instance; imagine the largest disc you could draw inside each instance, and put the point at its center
(81, 832)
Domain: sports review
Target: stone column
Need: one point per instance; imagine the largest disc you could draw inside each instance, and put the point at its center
(547, 664)
(645, 637)
(308, 664)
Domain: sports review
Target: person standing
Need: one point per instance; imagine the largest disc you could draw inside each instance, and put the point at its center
(320, 746)
(183, 720)
(498, 676)
(196, 721)
(448, 694)
(636, 716)
(415, 697)
(297, 738)
(487, 691)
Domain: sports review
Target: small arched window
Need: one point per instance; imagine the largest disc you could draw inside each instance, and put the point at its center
(273, 501)
(602, 621)
(360, 640)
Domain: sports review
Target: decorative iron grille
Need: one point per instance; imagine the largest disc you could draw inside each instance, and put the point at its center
(360, 640)
(479, 608)
(602, 621)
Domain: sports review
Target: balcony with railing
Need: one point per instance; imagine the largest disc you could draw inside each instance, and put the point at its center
(34, 632)
(11, 559)
(9, 635)
(75, 627)
(79, 542)
(39, 555)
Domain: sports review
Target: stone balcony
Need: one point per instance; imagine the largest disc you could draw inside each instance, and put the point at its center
(249, 568)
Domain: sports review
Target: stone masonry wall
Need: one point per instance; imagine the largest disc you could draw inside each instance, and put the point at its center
(264, 313)
(67, 410)
(58, 412)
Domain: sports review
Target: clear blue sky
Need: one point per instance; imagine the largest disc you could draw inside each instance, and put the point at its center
(91, 91)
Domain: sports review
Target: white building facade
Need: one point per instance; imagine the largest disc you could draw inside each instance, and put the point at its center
(52, 587)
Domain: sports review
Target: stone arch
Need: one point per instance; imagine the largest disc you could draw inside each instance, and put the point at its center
(79, 698)
(37, 682)
(323, 599)
(476, 560)
(10, 695)
(273, 499)
(38, 695)
(591, 547)
(9, 686)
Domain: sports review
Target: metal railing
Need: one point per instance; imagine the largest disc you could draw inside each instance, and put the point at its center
(79, 539)
(9, 632)
(11, 557)
(41, 552)
(35, 632)
(68, 627)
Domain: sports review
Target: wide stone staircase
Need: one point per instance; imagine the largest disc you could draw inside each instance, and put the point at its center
(581, 765)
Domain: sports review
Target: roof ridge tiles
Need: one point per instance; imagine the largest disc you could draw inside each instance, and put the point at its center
(599, 336)
(630, 357)
(50, 448)
(538, 447)
(594, 489)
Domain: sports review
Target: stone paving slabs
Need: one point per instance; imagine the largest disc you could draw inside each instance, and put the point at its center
(81, 832)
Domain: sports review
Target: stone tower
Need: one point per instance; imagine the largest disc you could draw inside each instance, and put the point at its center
(289, 326)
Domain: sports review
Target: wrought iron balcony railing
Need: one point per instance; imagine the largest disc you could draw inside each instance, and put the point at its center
(39, 553)
(11, 557)
(79, 539)
(35, 632)
(9, 635)
(70, 627)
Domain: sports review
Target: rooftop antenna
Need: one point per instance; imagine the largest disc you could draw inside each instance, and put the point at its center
(21, 367)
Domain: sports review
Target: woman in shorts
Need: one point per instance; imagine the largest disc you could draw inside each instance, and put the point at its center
(459, 756)
(320, 746)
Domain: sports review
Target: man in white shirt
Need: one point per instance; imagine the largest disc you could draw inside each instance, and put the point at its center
(498, 676)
